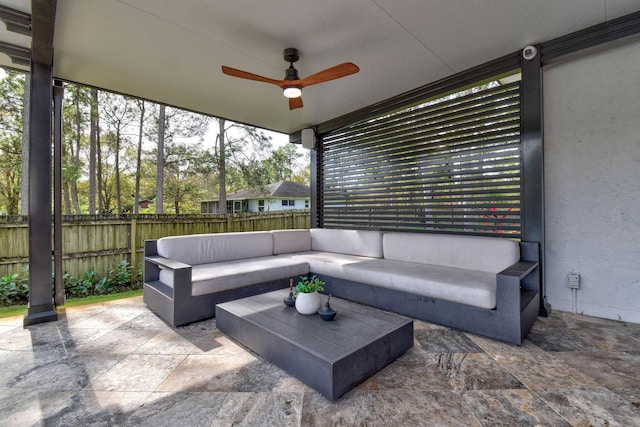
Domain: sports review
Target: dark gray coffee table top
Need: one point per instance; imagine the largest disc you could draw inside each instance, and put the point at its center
(331, 356)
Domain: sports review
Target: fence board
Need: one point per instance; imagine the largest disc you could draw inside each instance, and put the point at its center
(93, 241)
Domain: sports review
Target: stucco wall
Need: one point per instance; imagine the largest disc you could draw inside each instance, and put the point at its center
(592, 180)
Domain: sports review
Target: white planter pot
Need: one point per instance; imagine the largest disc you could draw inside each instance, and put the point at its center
(308, 303)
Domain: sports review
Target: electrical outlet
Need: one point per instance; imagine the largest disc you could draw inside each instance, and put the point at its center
(573, 281)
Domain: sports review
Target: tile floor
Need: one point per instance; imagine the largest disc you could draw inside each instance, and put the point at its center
(117, 364)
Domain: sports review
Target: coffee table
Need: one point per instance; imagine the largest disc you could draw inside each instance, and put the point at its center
(330, 356)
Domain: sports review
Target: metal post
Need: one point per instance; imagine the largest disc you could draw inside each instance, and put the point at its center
(58, 94)
(41, 307)
(532, 162)
(317, 196)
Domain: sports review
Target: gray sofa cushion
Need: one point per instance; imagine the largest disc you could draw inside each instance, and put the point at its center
(490, 254)
(470, 287)
(351, 242)
(288, 241)
(207, 248)
(216, 277)
(328, 263)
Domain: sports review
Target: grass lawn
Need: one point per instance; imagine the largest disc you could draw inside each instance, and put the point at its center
(17, 310)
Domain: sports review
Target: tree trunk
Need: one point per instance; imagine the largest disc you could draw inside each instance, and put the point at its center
(24, 182)
(92, 151)
(136, 199)
(160, 162)
(222, 198)
(99, 166)
(117, 171)
(76, 158)
(67, 198)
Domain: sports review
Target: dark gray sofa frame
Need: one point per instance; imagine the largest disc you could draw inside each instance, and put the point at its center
(517, 301)
(517, 297)
(176, 305)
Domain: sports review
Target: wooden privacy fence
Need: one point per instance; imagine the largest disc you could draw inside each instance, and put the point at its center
(100, 242)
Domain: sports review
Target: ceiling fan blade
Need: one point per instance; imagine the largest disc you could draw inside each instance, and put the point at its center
(249, 76)
(341, 70)
(295, 103)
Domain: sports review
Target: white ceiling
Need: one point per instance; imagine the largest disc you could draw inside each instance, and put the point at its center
(172, 51)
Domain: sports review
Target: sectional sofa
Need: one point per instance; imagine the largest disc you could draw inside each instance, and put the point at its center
(485, 285)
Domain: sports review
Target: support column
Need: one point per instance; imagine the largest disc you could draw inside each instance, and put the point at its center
(533, 162)
(58, 94)
(41, 308)
(317, 198)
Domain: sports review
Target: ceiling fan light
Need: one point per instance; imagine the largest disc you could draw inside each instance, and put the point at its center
(292, 92)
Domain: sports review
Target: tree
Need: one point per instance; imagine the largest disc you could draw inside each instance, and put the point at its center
(24, 178)
(173, 124)
(136, 198)
(76, 116)
(282, 162)
(160, 161)
(222, 165)
(185, 168)
(119, 114)
(11, 132)
(93, 149)
(238, 147)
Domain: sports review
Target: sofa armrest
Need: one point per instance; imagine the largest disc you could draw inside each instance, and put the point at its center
(166, 262)
(181, 272)
(520, 269)
(517, 285)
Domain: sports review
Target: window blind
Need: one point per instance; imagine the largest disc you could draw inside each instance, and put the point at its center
(449, 165)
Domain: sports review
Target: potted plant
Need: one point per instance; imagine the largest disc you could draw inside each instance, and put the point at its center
(307, 298)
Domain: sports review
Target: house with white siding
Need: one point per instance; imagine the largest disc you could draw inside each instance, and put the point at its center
(279, 196)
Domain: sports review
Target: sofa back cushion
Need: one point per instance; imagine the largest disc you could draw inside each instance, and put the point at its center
(290, 241)
(207, 248)
(489, 254)
(350, 242)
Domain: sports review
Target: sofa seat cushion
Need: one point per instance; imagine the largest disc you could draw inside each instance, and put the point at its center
(472, 287)
(327, 263)
(222, 276)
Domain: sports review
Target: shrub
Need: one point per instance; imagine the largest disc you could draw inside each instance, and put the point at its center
(14, 288)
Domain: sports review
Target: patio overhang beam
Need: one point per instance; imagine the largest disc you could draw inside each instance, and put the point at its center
(16, 20)
(615, 29)
(19, 55)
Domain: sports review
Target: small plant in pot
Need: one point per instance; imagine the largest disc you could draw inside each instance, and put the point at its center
(307, 298)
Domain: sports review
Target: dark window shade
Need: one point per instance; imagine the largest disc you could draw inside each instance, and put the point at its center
(447, 165)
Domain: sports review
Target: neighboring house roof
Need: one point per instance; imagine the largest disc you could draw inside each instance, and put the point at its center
(277, 190)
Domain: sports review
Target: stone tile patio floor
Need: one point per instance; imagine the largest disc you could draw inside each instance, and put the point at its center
(117, 363)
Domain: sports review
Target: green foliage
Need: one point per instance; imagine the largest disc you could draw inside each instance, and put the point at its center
(76, 287)
(307, 285)
(14, 288)
(11, 128)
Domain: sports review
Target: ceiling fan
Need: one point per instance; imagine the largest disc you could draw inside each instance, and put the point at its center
(292, 84)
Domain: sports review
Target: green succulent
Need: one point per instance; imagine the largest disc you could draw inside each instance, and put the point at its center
(307, 285)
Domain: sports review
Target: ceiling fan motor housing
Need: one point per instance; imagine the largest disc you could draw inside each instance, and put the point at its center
(292, 73)
(291, 54)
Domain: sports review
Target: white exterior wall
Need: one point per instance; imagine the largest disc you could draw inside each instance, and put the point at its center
(253, 206)
(592, 181)
(275, 205)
